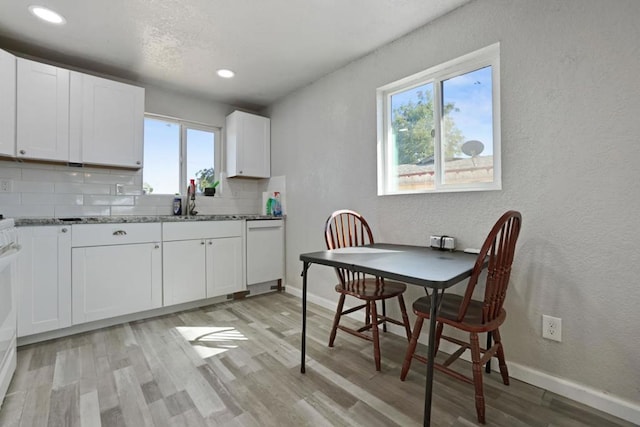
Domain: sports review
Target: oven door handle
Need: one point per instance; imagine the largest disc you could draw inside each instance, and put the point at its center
(7, 257)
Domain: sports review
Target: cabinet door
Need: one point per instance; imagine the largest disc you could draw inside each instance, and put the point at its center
(265, 251)
(248, 145)
(224, 266)
(7, 104)
(42, 111)
(110, 281)
(112, 122)
(44, 279)
(184, 271)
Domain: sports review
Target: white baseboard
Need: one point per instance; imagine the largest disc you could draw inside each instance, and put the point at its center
(621, 408)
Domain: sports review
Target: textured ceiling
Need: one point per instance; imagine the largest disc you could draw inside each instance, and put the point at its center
(274, 46)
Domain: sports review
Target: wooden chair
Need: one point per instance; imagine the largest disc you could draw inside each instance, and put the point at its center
(474, 316)
(346, 228)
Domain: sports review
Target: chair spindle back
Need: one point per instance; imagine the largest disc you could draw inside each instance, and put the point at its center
(347, 228)
(499, 248)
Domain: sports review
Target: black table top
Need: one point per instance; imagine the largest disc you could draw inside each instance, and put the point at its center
(416, 265)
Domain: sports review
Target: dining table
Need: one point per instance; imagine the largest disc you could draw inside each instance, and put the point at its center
(427, 267)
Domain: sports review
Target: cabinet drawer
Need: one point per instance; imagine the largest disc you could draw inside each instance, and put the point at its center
(114, 234)
(200, 230)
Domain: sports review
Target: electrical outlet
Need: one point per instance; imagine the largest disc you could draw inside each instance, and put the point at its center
(551, 328)
(5, 186)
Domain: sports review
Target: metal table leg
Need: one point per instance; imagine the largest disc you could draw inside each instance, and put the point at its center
(305, 267)
(431, 356)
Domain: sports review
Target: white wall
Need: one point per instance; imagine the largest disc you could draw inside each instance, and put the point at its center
(570, 146)
(56, 190)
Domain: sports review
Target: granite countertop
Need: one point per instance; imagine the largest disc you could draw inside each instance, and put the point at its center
(133, 219)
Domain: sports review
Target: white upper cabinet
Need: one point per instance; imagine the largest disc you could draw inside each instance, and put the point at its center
(111, 124)
(73, 117)
(7, 104)
(42, 111)
(248, 139)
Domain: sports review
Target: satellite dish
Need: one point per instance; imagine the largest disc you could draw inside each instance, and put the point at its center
(472, 148)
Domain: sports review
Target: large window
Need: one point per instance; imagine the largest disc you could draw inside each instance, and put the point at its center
(439, 130)
(177, 151)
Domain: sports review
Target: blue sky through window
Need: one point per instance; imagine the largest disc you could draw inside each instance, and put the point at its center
(471, 93)
(162, 155)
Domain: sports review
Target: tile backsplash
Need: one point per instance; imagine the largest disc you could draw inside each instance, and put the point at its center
(48, 190)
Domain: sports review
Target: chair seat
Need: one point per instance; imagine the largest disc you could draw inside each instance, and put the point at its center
(448, 313)
(371, 289)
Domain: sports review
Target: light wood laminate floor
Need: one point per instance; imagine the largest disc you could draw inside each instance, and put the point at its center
(237, 364)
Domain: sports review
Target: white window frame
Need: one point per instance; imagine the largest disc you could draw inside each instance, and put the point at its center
(488, 56)
(184, 125)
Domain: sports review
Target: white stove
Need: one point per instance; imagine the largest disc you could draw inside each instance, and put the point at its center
(9, 249)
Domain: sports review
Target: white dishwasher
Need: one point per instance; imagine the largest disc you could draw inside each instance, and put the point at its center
(265, 250)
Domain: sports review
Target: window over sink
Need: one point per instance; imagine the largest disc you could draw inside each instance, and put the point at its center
(176, 151)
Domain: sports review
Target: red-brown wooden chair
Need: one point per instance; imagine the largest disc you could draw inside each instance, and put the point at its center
(474, 316)
(346, 228)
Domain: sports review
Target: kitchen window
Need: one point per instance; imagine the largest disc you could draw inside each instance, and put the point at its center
(176, 151)
(439, 130)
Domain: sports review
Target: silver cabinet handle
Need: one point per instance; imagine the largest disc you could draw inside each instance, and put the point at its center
(120, 233)
(210, 242)
(202, 242)
(157, 246)
(23, 152)
(138, 162)
(64, 230)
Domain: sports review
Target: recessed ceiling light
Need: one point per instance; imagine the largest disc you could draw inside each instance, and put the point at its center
(47, 14)
(226, 74)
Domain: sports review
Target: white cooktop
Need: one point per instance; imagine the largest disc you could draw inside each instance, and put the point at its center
(6, 223)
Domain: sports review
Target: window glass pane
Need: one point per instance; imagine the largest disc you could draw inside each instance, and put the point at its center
(412, 131)
(200, 160)
(467, 133)
(161, 173)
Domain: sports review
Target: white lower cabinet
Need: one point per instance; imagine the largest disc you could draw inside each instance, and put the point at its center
(184, 271)
(116, 271)
(44, 279)
(224, 266)
(204, 267)
(69, 275)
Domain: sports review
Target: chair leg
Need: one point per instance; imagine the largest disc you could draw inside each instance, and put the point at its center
(477, 376)
(502, 363)
(336, 320)
(411, 349)
(367, 314)
(384, 315)
(405, 318)
(376, 334)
